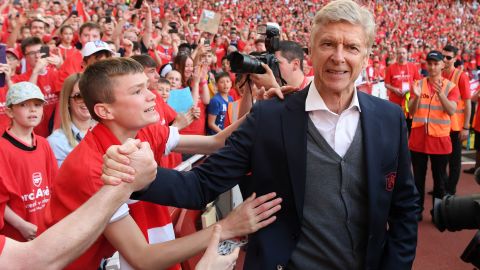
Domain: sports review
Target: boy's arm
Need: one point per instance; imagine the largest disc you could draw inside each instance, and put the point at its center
(197, 144)
(211, 123)
(126, 237)
(27, 229)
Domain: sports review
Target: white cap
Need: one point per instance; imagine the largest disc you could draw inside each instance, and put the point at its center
(95, 46)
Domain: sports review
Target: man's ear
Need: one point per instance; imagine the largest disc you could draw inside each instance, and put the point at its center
(296, 64)
(103, 111)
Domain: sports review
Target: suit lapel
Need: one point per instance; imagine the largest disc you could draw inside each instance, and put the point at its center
(294, 127)
(371, 132)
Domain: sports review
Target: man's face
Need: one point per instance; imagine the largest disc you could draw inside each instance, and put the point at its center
(434, 68)
(402, 55)
(260, 47)
(152, 76)
(108, 28)
(67, 35)
(175, 79)
(89, 34)
(32, 54)
(226, 65)
(134, 105)
(449, 59)
(287, 67)
(339, 53)
(37, 29)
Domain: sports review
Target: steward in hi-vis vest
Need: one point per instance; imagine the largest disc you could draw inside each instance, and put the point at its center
(432, 103)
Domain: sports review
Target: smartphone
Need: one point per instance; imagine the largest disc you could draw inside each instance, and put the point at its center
(3, 60)
(45, 50)
(138, 4)
(108, 19)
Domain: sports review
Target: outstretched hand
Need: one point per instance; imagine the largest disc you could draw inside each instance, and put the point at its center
(211, 260)
(251, 215)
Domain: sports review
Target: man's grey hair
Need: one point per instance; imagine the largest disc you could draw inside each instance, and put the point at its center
(347, 11)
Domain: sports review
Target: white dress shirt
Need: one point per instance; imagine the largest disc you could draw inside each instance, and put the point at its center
(337, 130)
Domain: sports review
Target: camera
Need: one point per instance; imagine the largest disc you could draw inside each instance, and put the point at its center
(455, 213)
(246, 64)
(173, 26)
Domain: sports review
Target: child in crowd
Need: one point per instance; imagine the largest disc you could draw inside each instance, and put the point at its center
(164, 88)
(175, 79)
(217, 108)
(28, 164)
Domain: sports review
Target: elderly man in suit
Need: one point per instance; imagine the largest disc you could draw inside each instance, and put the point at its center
(338, 158)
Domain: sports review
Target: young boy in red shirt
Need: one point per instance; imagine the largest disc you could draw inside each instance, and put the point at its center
(116, 94)
(28, 164)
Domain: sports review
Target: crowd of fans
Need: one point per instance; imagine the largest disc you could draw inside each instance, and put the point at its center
(50, 43)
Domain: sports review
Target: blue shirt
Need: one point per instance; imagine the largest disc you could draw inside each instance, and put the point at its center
(59, 143)
(218, 106)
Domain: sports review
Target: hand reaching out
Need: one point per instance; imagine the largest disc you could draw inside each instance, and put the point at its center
(211, 260)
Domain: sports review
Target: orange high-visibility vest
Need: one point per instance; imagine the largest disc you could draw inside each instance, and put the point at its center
(459, 117)
(430, 112)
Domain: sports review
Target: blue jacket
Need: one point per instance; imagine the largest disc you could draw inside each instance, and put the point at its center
(271, 144)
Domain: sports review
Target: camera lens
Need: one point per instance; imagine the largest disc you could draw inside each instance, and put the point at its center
(455, 213)
(242, 63)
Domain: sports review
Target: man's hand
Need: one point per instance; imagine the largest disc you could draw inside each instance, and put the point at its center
(40, 66)
(464, 134)
(279, 92)
(266, 80)
(211, 260)
(417, 89)
(131, 162)
(250, 216)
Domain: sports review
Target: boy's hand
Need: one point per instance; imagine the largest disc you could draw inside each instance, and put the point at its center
(28, 230)
(211, 260)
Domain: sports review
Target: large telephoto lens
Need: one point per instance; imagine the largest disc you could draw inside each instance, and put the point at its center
(456, 213)
(242, 63)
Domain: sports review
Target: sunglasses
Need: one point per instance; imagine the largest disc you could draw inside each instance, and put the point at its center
(448, 57)
(77, 98)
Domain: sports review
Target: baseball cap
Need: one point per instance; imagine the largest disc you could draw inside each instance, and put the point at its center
(23, 91)
(95, 46)
(13, 51)
(435, 56)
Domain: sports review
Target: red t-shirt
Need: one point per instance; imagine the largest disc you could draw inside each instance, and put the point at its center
(27, 178)
(477, 56)
(421, 142)
(167, 116)
(79, 178)
(397, 74)
(66, 53)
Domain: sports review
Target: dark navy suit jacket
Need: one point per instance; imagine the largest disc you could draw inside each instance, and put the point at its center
(271, 144)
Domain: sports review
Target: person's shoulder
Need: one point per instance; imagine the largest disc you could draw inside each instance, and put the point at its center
(57, 134)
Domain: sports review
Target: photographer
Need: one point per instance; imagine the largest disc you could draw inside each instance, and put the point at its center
(290, 63)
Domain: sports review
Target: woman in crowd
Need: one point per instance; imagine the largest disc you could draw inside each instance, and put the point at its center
(75, 120)
(196, 80)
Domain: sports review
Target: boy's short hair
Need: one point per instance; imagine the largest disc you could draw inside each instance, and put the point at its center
(30, 41)
(163, 81)
(145, 60)
(222, 75)
(89, 25)
(96, 84)
(450, 48)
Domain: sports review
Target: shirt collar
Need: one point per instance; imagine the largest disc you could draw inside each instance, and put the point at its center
(315, 102)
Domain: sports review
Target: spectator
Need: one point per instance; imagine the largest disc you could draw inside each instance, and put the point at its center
(41, 71)
(28, 165)
(75, 120)
(217, 108)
